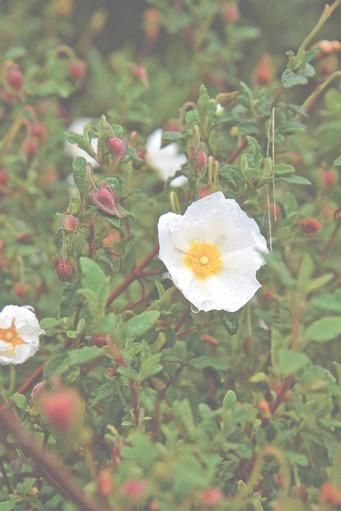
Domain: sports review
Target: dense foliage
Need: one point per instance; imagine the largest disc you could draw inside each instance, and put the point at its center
(135, 399)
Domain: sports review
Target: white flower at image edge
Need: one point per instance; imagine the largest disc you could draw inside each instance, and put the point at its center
(73, 150)
(165, 160)
(19, 334)
(212, 253)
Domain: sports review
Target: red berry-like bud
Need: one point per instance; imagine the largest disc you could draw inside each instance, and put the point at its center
(172, 125)
(309, 225)
(231, 12)
(205, 190)
(64, 269)
(104, 199)
(140, 73)
(329, 178)
(70, 223)
(118, 147)
(3, 178)
(21, 289)
(30, 146)
(38, 129)
(7, 97)
(99, 340)
(77, 70)
(14, 78)
(302, 493)
(330, 494)
(263, 73)
(104, 483)
(264, 407)
(211, 496)
(134, 489)
(62, 409)
(198, 159)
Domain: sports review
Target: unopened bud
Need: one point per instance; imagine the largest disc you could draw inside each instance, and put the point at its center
(21, 289)
(211, 496)
(309, 225)
(77, 70)
(70, 223)
(330, 494)
(14, 78)
(38, 129)
(263, 74)
(30, 146)
(118, 147)
(134, 489)
(104, 483)
(198, 158)
(329, 178)
(231, 12)
(264, 407)
(105, 200)
(64, 269)
(62, 409)
(37, 389)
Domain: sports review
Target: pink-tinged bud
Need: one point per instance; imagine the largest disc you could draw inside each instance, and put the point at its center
(264, 407)
(231, 12)
(38, 129)
(64, 269)
(211, 496)
(77, 70)
(172, 125)
(37, 389)
(152, 18)
(3, 178)
(21, 289)
(104, 483)
(330, 494)
(7, 97)
(104, 199)
(198, 159)
(309, 225)
(70, 223)
(263, 74)
(329, 178)
(14, 78)
(99, 340)
(204, 191)
(140, 73)
(30, 146)
(62, 409)
(118, 147)
(275, 210)
(134, 489)
(303, 493)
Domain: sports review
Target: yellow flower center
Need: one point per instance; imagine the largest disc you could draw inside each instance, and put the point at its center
(11, 336)
(203, 259)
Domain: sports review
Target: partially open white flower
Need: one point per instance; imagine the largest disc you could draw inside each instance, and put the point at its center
(73, 150)
(19, 334)
(166, 160)
(212, 253)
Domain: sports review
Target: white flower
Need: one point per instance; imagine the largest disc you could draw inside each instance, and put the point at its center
(166, 160)
(73, 150)
(212, 253)
(19, 334)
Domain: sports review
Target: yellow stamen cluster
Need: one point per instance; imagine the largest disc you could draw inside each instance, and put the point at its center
(203, 259)
(11, 336)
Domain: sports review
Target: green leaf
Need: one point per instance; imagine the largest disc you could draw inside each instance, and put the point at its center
(337, 162)
(14, 53)
(290, 362)
(230, 321)
(290, 79)
(84, 355)
(323, 329)
(283, 169)
(296, 180)
(203, 361)
(79, 175)
(8, 505)
(140, 324)
(149, 367)
(93, 277)
(230, 399)
(47, 323)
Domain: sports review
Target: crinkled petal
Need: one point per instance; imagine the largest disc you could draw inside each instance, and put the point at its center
(166, 160)
(179, 182)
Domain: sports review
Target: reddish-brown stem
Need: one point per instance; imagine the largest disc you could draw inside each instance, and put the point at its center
(31, 379)
(281, 395)
(132, 275)
(91, 241)
(52, 467)
(182, 320)
(236, 152)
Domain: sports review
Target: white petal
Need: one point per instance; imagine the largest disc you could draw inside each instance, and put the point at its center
(154, 141)
(166, 160)
(73, 150)
(179, 182)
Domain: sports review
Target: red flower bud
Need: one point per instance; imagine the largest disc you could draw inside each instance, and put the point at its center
(99, 340)
(205, 190)
(172, 125)
(104, 483)
(38, 129)
(309, 225)
(134, 489)
(264, 407)
(329, 178)
(62, 409)
(14, 78)
(70, 223)
(118, 147)
(3, 178)
(140, 73)
(7, 97)
(77, 70)
(330, 494)
(104, 199)
(211, 496)
(263, 73)
(20, 289)
(198, 159)
(64, 269)
(231, 12)
(30, 146)
(302, 493)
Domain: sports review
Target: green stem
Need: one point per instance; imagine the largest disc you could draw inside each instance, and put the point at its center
(12, 378)
(310, 99)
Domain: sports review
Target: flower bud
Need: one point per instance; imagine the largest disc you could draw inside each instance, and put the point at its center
(198, 159)
(118, 147)
(99, 340)
(231, 12)
(104, 483)
(330, 494)
(38, 130)
(211, 496)
(329, 178)
(104, 199)
(263, 74)
(77, 70)
(37, 389)
(62, 409)
(309, 225)
(134, 489)
(7, 97)
(70, 223)
(3, 178)
(264, 407)
(140, 73)
(30, 146)
(151, 18)
(14, 77)
(21, 289)
(64, 269)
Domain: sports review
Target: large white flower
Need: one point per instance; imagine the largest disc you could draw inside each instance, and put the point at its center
(212, 253)
(166, 160)
(73, 150)
(19, 334)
